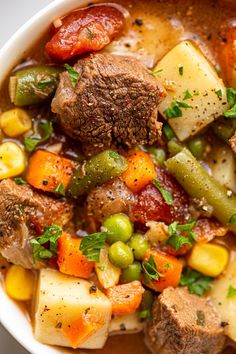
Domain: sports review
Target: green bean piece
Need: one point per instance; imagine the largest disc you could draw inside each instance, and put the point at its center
(139, 246)
(131, 273)
(120, 255)
(99, 169)
(174, 146)
(33, 84)
(224, 129)
(198, 183)
(197, 147)
(118, 228)
(159, 154)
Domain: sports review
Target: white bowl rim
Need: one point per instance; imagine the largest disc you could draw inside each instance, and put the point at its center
(11, 316)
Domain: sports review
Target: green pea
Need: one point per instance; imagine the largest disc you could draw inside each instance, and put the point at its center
(120, 255)
(118, 227)
(174, 146)
(131, 273)
(197, 147)
(159, 154)
(139, 246)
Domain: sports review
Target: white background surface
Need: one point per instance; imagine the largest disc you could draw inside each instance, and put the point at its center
(13, 13)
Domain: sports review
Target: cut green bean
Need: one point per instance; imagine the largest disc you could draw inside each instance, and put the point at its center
(158, 154)
(33, 84)
(96, 171)
(174, 146)
(198, 183)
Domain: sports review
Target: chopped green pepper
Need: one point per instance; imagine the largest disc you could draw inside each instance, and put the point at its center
(198, 183)
(33, 84)
(96, 171)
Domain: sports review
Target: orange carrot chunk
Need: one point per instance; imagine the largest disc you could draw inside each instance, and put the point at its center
(48, 171)
(140, 172)
(125, 298)
(71, 260)
(168, 270)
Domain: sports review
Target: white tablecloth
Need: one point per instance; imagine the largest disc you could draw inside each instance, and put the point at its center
(13, 13)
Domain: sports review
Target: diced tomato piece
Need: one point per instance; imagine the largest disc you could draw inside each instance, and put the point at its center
(151, 206)
(86, 30)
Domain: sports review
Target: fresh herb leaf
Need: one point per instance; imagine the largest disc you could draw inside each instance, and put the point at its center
(74, 75)
(20, 181)
(42, 84)
(174, 111)
(151, 270)
(60, 190)
(196, 282)
(49, 237)
(176, 240)
(231, 98)
(167, 196)
(31, 143)
(153, 73)
(167, 130)
(181, 70)
(91, 245)
(232, 219)
(187, 95)
(219, 93)
(231, 292)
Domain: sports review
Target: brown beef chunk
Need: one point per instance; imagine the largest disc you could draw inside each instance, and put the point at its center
(114, 102)
(110, 198)
(22, 213)
(184, 323)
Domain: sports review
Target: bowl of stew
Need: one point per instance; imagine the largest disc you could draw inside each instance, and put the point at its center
(117, 178)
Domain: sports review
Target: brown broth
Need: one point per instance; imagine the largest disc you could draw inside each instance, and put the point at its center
(199, 20)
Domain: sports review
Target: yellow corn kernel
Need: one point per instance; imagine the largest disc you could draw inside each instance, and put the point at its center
(15, 122)
(108, 275)
(209, 259)
(19, 283)
(12, 160)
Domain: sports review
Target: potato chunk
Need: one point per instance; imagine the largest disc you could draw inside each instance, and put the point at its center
(70, 312)
(189, 78)
(225, 305)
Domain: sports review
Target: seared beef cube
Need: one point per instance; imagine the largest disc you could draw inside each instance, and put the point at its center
(114, 101)
(23, 212)
(184, 323)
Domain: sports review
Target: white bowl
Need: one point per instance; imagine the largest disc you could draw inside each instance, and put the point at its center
(11, 316)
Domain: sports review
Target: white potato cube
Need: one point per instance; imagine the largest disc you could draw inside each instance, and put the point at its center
(183, 71)
(226, 307)
(62, 301)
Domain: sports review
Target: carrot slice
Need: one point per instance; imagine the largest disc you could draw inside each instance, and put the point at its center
(140, 172)
(47, 171)
(71, 260)
(169, 268)
(125, 298)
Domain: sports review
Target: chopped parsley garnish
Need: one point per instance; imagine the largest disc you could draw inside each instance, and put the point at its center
(50, 237)
(150, 269)
(181, 70)
(168, 131)
(74, 75)
(42, 84)
(232, 220)
(91, 245)
(231, 292)
(20, 181)
(32, 142)
(231, 98)
(167, 196)
(187, 95)
(219, 93)
(60, 190)
(176, 240)
(174, 111)
(196, 282)
(153, 73)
